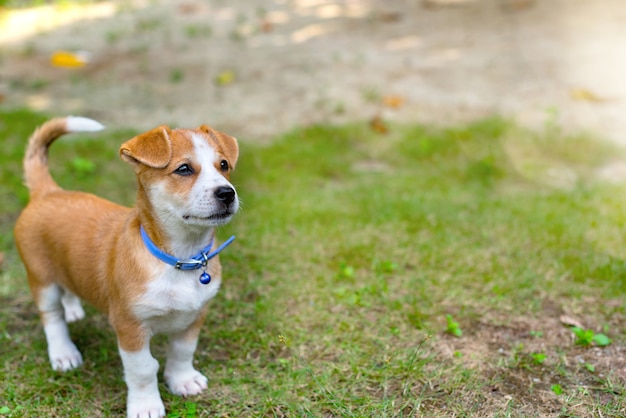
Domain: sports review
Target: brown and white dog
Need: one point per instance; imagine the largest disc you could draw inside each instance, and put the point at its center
(78, 246)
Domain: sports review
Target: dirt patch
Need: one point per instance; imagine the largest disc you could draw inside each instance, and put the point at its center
(257, 68)
(527, 361)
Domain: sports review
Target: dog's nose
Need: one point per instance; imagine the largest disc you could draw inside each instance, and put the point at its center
(225, 194)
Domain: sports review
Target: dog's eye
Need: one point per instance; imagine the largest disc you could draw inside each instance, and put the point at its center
(224, 165)
(184, 170)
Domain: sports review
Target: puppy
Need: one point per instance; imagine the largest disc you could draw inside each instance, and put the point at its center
(151, 268)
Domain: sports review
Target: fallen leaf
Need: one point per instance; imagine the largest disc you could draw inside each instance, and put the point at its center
(389, 17)
(266, 26)
(67, 59)
(393, 102)
(586, 95)
(1, 259)
(378, 125)
(570, 322)
(188, 8)
(225, 78)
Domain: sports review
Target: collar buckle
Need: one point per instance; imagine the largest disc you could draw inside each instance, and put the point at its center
(190, 264)
(194, 263)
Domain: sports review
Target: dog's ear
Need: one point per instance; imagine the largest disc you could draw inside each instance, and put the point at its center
(226, 143)
(152, 148)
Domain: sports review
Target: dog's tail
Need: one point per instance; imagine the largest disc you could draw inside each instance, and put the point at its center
(36, 173)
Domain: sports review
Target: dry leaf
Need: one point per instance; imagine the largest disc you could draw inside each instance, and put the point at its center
(266, 26)
(67, 59)
(570, 322)
(225, 78)
(378, 125)
(188, 8)
(1, 259)
(393, 102)
(586, 95)
(389, 17)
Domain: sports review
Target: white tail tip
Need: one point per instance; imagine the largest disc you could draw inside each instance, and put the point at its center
(81, 124)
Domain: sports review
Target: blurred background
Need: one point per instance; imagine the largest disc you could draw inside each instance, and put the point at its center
(257, 68)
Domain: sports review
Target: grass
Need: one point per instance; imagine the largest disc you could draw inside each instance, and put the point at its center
(358, 256)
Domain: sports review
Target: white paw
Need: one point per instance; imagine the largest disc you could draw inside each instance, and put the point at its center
(64, 357)
(72, 307)
(147, 408)
(187, 384)
(74, 312)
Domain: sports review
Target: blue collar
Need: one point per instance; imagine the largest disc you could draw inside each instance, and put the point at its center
(196, 262)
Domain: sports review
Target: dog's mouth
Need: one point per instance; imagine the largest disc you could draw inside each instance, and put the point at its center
(220, 216)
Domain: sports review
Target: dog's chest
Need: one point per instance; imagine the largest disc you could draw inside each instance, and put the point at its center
(173, 300)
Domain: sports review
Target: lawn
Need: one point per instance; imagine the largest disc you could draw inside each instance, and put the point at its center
(422, 271)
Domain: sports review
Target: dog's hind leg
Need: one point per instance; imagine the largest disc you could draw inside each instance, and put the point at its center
(72, 307)
(62, 352)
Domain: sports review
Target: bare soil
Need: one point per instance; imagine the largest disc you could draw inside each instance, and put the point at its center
(258, 68)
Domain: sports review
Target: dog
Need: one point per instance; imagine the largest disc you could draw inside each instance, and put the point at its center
(151, 268)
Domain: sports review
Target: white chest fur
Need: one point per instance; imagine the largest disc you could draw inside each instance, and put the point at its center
(174, 299)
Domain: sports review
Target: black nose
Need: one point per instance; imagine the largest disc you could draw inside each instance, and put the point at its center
(225, 194)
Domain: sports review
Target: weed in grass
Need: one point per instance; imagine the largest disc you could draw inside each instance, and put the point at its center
(176, 75)
(539, 358)
(556, 389)
(413, 361)
(586, 337)
(346, 272)
(453, 327)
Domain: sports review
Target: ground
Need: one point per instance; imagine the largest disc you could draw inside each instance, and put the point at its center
(257, 68)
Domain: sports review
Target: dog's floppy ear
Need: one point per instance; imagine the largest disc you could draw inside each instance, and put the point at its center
(227, 144)
(152, 148)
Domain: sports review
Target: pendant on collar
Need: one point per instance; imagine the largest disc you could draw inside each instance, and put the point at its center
(205, 278)
(196, 262)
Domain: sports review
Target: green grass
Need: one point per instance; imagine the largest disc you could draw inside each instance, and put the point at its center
(353, 248)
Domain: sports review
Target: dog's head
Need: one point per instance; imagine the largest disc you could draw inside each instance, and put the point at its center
(186, 173)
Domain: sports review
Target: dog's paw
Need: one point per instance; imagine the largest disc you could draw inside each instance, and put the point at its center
(74, 313)
(145, 409)
(64, 357)
(72, 308)
(187, 384)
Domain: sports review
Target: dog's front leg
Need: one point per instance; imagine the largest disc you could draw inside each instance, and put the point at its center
(182, 378)
(140, 374)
